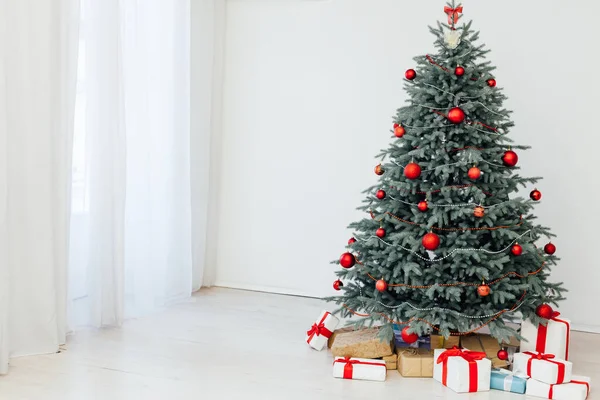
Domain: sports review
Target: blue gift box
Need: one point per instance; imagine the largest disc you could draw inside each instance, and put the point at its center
(506, 381)
(423, 342)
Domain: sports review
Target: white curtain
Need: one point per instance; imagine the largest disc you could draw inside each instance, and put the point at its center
(131, 231)
(38, 56)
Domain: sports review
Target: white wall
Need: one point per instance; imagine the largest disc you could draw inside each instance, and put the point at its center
(309, 91)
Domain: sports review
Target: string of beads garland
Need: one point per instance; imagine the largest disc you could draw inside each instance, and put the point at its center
(469, 122)
(445, 187)
(466, 205)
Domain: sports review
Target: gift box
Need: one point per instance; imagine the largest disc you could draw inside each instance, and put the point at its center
(440, 342)
(487, 345)
(415, 363)
(337, 332)
(391, 362)
(542, 367)
(577, 389)
(359, 369)
(506, 381)
(462, 370)
(364, 343)
(424, 342)
(321, 331)
(552, 338)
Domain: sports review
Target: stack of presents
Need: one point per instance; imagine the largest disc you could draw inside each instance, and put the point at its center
(537, 366)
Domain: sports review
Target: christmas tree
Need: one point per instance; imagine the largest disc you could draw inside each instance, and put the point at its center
(444, 247)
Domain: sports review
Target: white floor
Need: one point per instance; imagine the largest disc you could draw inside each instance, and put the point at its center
(223, 344)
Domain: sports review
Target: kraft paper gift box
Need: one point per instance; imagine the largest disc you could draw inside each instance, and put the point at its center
(542, 367)
(363, 343)
(462, 370)
(504, 380)
(391, 362)
(486, 344)
(337, 332)
(577, 389)
(321, 330)
(359, 369)
(440, 342)
(415, 363)
(552, 338)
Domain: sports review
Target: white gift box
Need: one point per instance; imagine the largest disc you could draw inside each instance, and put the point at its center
(462, 370)
(359, 369)
(318, 335)
(577, 389)
(550, 339)
(542, 367)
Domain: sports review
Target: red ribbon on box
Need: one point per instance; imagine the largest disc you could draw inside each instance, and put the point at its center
(318, 329)
(542, 333)
(470, 356)
(546, 357)
(349, 367)
(453, 14)
(587, 385)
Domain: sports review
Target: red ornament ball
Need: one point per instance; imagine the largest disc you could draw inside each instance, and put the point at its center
(409, 338)
(379, 170)
(456, 115)
(423, 206)
(491, 82)
(381, 285)
(502, 355)
(535, 195)
(550, 248)
(396, 125)
(337, 285)
(380, 233)
(517, 250)
(399, 131)
(474, 173)
(410, 74)
(510, 158)
(351, 241)
(380, 194)
(544, 311)
(479, 212)
(483, 290)
(347, 260)
(412, 171)
(431, 241)
(459, 71)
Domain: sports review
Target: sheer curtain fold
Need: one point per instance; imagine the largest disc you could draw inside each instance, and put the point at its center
(134, 251)
(38, 56)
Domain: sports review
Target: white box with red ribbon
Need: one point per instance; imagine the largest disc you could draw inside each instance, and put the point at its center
(321, 330)
(462, 370)
(359, 369)
(577, 389)
(550, 338)
(542, 367)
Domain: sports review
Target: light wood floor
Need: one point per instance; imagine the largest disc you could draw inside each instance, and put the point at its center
(223, 344)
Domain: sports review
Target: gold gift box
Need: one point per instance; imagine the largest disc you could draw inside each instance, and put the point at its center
(440, 342)
(488, 345)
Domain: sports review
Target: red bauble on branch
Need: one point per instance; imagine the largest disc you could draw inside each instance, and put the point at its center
(479, 212)
(380, 194)
(423, 206)
(379, 170)
(474, 173)
(550, 248)
(459, 71)
(409, 338)
(347, 260)
(502, 354)
(351, 241)
(544, 311)
(381, 285)
(380, 233)
(510, 158)
(483, 290)
(399, 131)
(517, 250)
(535, 195)
(412, 171)
(431, 241)
(456, 115)
(410, 74)
(491, 82)
(337, 285)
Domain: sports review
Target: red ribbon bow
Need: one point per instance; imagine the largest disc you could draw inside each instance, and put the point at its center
(453, 14)
(318, 329)
(542, 334)
(470, 356)
(546, 357)
(349, 365)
